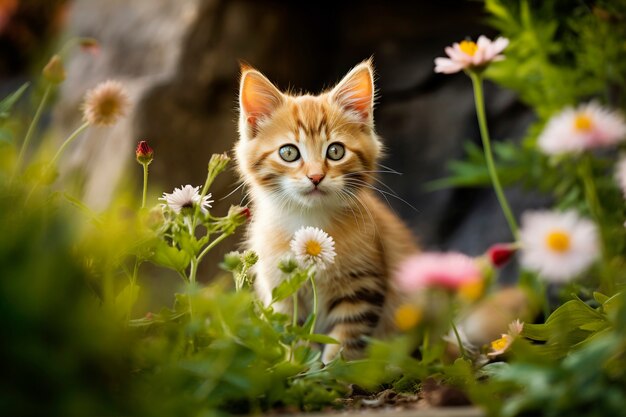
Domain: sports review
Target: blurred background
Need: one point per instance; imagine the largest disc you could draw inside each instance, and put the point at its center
(179, 60)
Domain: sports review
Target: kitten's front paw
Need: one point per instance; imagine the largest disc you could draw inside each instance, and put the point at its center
(330, 353)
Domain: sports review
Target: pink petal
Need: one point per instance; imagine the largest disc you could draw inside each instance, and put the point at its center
(448, 66)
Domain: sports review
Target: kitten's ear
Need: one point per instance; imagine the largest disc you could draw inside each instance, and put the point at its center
(258, 98)
(355, 92)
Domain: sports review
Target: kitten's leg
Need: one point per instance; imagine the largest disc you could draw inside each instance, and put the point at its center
(352, 317)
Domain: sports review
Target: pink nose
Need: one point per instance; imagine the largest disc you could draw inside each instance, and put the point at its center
(316, 179)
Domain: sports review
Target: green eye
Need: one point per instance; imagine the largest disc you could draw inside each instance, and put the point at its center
(335, 151)
(289, 153)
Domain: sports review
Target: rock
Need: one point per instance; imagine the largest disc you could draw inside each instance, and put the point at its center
(180, 62)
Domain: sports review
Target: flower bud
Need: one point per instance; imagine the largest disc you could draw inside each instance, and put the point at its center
(218, 163)
(239, 215)
(144, 153)
(500, 253)
(54, 71)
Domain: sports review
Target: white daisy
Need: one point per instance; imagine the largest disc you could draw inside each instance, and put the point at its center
(585, 127)
(557, 245)
(185, 197)
(313, 247)
(473, 55)
(501, 345)
(620, 174)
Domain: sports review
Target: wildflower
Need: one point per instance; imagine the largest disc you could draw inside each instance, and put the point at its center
(186, 197)
(500, 253)
(105, 104)
(557, 245)
(313, 247)
(444, 270)
(407, 316)
(578, 129)
(54, 71)
(501, 345)
(218, 162)
(144, 153)
(620, 174)
(468, 55)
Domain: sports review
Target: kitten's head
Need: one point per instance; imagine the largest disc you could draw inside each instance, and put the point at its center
(308, 150)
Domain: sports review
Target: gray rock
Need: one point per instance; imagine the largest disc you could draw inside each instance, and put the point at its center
(180, 61)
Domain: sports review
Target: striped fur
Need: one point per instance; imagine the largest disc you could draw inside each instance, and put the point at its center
(356, 295)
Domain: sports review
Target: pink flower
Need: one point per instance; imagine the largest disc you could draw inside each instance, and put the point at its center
(471, 55)
(444, 270)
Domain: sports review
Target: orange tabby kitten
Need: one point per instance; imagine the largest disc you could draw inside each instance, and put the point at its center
(310, 161)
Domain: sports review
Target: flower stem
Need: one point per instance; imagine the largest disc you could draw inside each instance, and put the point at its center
(193, 270)
(68, 141)
(212, 245)
(484, 133)
(145, 185)
(295, 310)
(458, 339)
(314, 288)
(596, 211)
(31, 128)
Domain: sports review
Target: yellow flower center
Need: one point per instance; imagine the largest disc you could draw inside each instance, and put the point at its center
(468, 47)
(313, 248)
(500, 344)
(583, 122)
(407, 316)
(558, 241)
(472, 290)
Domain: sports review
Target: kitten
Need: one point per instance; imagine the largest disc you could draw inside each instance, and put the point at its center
(310, 161)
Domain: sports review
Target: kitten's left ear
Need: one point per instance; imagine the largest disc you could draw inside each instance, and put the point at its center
(355, 93)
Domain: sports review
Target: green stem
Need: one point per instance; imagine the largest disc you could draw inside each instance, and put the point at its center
(484, 133)
(68, 141)
(205, 189)
(295, 310)
(314, 288)
(193, 270)
(596, 211)
(31, 128)
(458, 339)
(145, 185)
(212, 245)
(133, 281)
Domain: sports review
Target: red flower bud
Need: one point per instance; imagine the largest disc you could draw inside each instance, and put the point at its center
(144, 153)
(500, 253)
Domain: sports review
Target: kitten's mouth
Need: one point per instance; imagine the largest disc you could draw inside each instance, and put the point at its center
(315, 192)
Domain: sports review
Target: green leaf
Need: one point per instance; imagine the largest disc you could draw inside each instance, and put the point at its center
(7, 103)
(289, 286)
(320, 338)
(170, 257)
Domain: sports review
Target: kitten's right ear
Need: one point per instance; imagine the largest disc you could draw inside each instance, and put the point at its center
(258, 98)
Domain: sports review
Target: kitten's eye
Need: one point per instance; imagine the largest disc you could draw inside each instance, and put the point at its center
(335, 151)
(289, 153)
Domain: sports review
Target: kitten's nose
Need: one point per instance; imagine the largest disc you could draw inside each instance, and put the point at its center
(316, 179)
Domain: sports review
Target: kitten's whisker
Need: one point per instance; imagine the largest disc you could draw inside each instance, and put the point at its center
(232, 192)
(383, 192)
(391, 190)
(388, 168)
